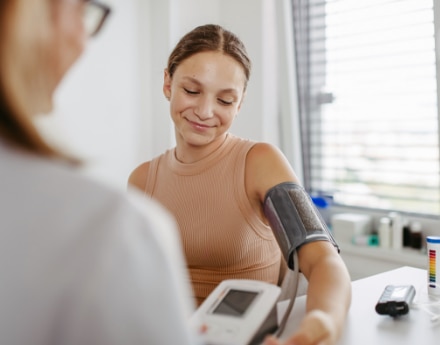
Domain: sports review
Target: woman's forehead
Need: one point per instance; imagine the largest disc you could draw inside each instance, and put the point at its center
(208, 67)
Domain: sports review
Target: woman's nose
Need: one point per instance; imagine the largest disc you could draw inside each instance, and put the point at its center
(205, 108)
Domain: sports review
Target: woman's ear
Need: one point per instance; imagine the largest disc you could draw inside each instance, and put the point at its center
(166, 84)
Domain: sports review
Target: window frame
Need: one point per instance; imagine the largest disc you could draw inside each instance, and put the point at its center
(301, 40)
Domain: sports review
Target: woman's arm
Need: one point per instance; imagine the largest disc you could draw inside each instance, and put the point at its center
(329, 289)
(138, 177)
(328, 294)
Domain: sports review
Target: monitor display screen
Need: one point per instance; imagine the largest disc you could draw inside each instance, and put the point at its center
(235, 303)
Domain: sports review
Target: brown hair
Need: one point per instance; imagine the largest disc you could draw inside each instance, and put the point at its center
(16, 125)
(210, 37)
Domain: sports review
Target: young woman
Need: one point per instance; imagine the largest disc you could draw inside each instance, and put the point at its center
(215, 184)
(80, 263)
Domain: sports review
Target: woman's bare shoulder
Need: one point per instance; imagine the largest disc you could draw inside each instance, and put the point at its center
(138, 177)
(265, 151)
(267, 166)
(269, 159)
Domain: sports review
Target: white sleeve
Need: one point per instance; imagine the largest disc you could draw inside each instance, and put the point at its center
(134, 289)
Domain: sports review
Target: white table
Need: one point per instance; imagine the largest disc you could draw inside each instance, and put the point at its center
(365, 327)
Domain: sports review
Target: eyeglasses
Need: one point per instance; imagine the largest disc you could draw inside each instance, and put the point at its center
(95, 15)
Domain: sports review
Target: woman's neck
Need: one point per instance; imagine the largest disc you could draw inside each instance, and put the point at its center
(187, 153)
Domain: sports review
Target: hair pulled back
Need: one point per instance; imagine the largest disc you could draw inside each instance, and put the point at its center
(209, 37)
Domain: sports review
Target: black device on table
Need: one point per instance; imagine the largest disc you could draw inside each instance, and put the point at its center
(395, 300)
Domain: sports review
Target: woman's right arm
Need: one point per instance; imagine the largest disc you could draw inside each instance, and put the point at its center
(138, 177)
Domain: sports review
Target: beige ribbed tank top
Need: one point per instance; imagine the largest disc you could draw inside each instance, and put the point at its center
(223, 238)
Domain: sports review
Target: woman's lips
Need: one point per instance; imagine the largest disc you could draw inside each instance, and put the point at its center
(199, 126)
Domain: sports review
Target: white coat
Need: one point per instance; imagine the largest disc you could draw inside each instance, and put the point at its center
(81, 263)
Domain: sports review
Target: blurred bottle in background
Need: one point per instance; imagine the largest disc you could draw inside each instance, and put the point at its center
(385, 232)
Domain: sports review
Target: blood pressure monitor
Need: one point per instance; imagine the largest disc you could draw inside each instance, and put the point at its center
(238, 312)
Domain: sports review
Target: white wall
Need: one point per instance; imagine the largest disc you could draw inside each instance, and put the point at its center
(174, 18)
(110, 108)
(98, 106)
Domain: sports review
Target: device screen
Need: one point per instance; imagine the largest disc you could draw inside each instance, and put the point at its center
(235, 303)
(399, 292)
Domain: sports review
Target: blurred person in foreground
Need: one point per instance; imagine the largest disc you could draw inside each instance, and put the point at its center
(80, 263)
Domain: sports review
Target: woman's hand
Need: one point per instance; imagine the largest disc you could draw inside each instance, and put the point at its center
(317, 328)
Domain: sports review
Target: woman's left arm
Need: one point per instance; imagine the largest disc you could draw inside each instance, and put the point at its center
(328, 295)
(329, 286)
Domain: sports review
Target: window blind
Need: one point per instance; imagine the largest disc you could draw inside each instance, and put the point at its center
(368, 102)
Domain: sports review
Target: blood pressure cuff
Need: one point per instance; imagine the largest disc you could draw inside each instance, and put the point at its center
(294, 219)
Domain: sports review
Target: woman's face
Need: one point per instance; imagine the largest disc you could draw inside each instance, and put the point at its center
(205, 93)
(45, 38)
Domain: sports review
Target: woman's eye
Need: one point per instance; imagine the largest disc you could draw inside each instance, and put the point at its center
(191, 92)
(222, 101)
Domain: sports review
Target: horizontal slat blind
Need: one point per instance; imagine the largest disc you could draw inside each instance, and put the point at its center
(368, 77)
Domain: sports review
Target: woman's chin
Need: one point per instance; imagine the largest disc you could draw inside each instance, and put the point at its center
(198, 139)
